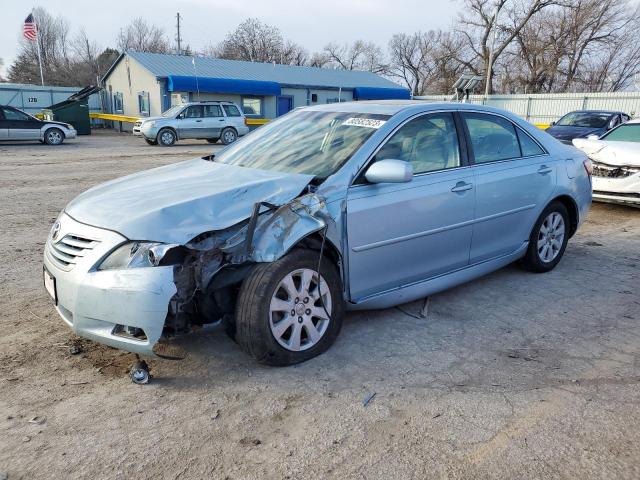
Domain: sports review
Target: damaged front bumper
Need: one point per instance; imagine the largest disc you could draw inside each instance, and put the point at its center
(616, 184)
(125, 309)
(134, 308)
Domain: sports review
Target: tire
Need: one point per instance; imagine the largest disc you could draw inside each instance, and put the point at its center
(256, 322)
(53, 136)
(151, 142)
(212, 140)
(166, 137)
(228, 135)
(545, 234)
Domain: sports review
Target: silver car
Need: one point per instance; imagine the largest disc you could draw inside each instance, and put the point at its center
(330, 208)
(211, 121)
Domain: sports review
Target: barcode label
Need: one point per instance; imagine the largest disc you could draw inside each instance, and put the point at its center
(364, 122)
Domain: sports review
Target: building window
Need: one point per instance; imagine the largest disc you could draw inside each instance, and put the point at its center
(231, 111)
(252, 106)
(143, 103)
(118, 105)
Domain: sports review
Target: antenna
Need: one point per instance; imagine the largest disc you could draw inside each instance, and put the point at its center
(178, 37)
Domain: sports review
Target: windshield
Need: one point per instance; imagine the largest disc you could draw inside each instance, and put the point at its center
(313, 143)
(584, 119)
(173, 111)
(624, 133)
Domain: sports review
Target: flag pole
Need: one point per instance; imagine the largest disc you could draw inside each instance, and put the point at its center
(38, 46)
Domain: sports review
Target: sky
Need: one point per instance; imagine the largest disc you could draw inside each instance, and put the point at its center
(311, 24)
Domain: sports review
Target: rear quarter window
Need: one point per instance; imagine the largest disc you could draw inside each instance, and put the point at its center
(231, 111)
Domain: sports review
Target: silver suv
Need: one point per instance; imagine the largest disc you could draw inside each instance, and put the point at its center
(211, 121)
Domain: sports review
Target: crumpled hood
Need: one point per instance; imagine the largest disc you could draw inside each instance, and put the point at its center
(618, 154)
(174, 203)
(569, 133)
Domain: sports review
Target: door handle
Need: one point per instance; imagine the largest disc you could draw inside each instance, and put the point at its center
(198, 121)
(221, 119)
(543, 170)
(462, 187)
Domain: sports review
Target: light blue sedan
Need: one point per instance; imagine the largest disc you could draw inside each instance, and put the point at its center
(390, 201)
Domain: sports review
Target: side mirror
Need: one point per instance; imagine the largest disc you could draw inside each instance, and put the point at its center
(593, 136)
(180, 117)
(553, 123)
(389, 171)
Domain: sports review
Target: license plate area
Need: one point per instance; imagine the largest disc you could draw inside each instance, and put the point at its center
(50, 285)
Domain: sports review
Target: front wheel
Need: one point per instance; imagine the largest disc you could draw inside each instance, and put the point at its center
(286, 313)
(53, 136)
(228, 136)
(212, 140)
(151, 142)
(166, 137)
(548, 239)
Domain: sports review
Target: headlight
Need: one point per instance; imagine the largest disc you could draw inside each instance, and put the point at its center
(135, 255)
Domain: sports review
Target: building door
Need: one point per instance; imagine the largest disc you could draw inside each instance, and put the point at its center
(285, 105)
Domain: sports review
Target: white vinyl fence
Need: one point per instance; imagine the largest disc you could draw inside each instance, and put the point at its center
(546, 108)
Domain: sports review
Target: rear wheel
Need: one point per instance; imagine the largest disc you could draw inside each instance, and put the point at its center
(53, 136)
(166, 137)
(548, 239)
(286, 313)
(228, 136)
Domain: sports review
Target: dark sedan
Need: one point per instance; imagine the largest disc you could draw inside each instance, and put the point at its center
(583, 123)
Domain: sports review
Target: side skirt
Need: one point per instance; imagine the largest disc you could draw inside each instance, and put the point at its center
(414, 291)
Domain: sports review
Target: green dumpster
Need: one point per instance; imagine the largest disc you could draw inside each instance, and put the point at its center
(73, 110)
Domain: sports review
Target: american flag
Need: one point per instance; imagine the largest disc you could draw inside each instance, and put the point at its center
(29, 28)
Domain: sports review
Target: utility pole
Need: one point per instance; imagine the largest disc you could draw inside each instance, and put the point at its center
(178, 38)
(489, 73)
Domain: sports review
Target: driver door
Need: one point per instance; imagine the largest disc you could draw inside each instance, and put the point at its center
(402, 233)
(21, 126)
(190, 122)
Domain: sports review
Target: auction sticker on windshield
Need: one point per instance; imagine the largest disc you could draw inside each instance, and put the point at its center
(364, 122)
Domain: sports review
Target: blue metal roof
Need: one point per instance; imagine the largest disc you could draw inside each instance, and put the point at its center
(164, 65)
(373, 93)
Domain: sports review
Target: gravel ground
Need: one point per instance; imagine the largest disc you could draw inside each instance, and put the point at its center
(515, 375)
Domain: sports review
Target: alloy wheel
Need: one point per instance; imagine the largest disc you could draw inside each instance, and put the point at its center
(551, 237)
(300, 309)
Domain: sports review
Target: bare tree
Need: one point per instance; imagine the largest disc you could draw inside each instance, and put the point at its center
(139, 36)
(360, 55)
(256, 41)
(482, 17)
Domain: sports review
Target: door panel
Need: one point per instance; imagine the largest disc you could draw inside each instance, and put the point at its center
(401, 234)
(285, 104)
(190, 125)
(4, 126)
(213, 121)
(21, 126)
(511, 190)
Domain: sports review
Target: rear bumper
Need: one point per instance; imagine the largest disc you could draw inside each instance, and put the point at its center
(100, 305)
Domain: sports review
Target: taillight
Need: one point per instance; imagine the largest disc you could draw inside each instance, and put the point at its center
(588, 166)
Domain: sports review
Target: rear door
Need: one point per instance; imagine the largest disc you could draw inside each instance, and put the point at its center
(21, 126)
(213, 121)
(402, 233)
(190, 122)
(515, 179)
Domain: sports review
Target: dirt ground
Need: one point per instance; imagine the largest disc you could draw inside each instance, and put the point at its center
(515, 375)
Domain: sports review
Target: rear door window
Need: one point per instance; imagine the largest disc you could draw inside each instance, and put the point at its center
(528, 146)
(493, 138)
(212, 110)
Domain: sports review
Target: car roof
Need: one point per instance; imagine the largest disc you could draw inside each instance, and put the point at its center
(392, 107)
(608, 112)
(633, 120)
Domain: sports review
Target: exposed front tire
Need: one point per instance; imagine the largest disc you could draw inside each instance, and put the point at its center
(280, 318)
(548, 239)
(53, 136)
(229, 135)
(166, 137)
